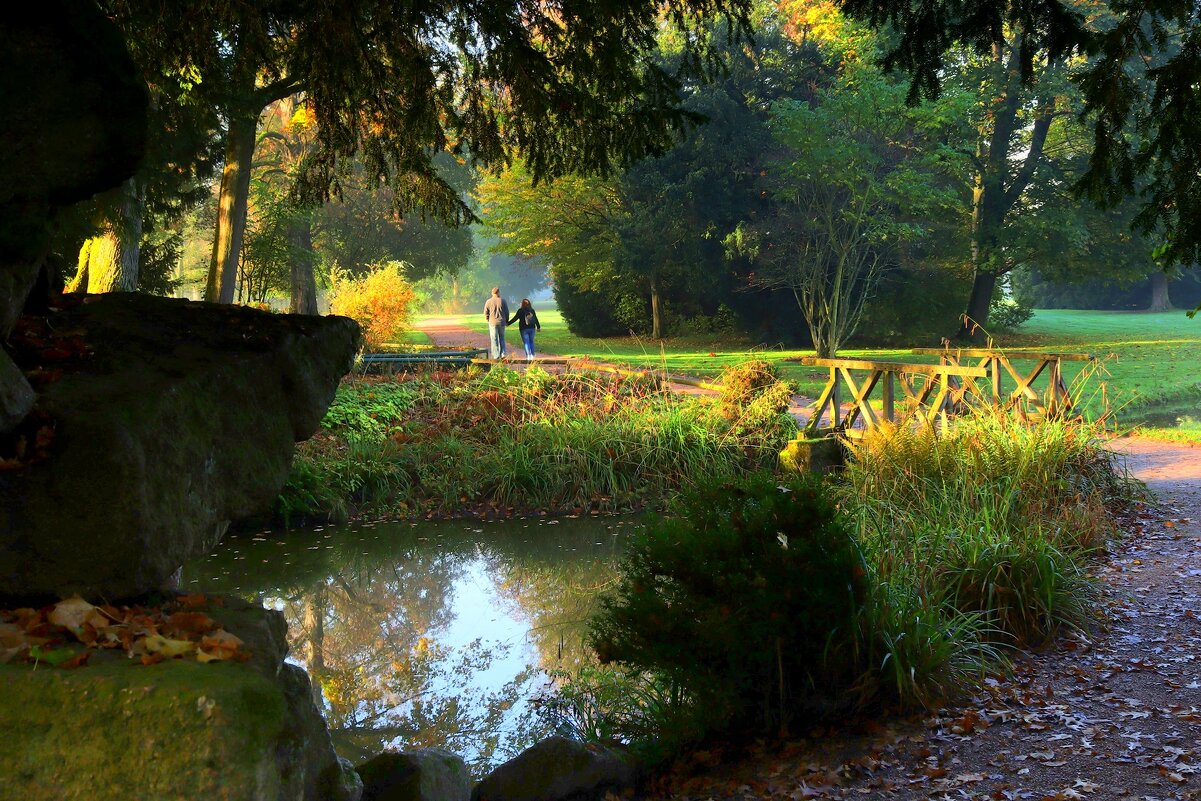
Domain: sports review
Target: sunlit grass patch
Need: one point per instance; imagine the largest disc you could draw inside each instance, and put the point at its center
(503, 442)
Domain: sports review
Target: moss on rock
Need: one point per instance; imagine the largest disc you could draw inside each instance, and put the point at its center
(119, 730)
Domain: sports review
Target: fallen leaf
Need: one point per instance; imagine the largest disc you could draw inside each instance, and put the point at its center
(72, 613)
(218, 645)
(158, 644)
(189, 623)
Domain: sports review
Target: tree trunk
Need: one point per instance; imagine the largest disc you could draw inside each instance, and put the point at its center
(304, 283)
(314, 628)
(231, 209)
(656, 313)
(80, 282)
(997, 187)
(976, 316)
(108, 262)
(1159, 292)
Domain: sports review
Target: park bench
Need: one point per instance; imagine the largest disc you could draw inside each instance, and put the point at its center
(443, 358)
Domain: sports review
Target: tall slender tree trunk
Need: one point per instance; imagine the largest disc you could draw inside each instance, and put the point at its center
(656, 312)
(314, 627)
(304, 282)
(998, 186)
(1159, 292)
(108, 262)
(232, 206)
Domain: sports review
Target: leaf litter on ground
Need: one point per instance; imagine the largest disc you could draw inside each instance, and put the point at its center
(66, 633)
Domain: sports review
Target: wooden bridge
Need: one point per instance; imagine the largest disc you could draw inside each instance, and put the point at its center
(932, 394)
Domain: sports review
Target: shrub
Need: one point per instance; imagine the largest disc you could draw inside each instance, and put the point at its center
(587, 313)
(745, 599)
(755, 400)
(742, 383)
(1008, 313)
(379, 302)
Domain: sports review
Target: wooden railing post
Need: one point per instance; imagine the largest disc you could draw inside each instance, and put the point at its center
(836, 404)
(889, 397)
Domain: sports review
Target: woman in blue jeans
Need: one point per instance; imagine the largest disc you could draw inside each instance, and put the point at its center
(527, 323)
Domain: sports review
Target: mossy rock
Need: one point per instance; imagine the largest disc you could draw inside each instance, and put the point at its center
(820, 455)
(119, 730)
(223, 731)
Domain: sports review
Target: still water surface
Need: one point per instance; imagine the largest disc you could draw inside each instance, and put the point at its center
(428, 634)
(1183, 415)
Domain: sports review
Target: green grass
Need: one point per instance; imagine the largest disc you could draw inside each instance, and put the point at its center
(1146, 359)
(410, 337)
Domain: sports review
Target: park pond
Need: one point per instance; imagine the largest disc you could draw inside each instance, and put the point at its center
(429, 634)
(1184, 415)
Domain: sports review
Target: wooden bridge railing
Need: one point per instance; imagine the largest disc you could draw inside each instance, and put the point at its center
(1056, 400)
(928, 400)
(933, 393)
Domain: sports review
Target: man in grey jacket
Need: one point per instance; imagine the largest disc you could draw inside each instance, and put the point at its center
(496, 313)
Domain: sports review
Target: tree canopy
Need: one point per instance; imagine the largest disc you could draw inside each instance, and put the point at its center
(1140, 90)
(570, 86)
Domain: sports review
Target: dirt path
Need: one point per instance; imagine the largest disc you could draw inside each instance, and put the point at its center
(452, 335)
(1113, 716)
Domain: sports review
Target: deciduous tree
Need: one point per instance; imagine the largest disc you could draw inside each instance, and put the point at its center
(569, 86)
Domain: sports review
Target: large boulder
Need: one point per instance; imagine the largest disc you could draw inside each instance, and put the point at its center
(166, 419)
(116, 729)
(16, 396)
(558, 769)
(429, 774)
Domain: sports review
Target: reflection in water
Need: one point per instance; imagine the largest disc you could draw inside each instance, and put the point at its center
(428, 634)
(1184, 415)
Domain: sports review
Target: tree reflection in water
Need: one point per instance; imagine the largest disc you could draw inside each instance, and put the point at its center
(431, 635)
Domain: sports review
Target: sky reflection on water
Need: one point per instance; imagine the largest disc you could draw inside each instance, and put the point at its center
(433, 634)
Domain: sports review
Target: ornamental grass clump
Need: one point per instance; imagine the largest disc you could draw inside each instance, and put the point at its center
(995, 517)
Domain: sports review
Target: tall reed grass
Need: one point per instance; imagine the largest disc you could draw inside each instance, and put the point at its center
(977, 540)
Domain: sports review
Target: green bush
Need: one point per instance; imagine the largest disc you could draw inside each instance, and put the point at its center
(1008, 313)
(745, 599)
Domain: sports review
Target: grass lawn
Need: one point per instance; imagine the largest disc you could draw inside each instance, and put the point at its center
(1147, 359)
(700, 357)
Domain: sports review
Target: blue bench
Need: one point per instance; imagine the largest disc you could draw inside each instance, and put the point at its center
(443, 358)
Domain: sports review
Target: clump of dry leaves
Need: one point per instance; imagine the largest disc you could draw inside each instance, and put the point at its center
(67, 633)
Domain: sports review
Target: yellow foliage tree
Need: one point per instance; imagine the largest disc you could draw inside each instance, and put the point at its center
(379, 301)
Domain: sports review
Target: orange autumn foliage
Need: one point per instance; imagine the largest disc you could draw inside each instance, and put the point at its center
(380, 302)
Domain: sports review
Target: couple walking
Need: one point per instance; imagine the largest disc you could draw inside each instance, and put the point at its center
(496, 313)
